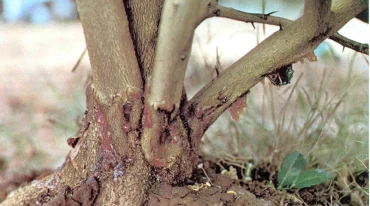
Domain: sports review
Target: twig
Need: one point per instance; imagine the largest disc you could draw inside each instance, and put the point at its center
(349, 43)
(221, 11)
(218, 66)
(230, 13)
(205, 173)
(79, 60)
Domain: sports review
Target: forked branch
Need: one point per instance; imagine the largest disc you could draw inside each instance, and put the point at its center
(281, 48)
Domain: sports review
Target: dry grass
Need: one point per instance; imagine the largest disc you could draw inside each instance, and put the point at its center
(325, 105)
(41, 99)
(323, 113)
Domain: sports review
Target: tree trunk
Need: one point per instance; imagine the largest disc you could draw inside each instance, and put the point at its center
(107, 160)
(137, 133)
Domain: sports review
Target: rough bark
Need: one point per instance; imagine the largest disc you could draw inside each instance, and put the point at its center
(144, 31)
(128, 142)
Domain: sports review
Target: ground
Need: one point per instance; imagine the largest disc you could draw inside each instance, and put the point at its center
(42, 104)
(212, 185)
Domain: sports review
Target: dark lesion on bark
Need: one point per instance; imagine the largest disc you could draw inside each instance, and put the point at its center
(72, 141)
(85, 194)
(127, 109)
(320, 36)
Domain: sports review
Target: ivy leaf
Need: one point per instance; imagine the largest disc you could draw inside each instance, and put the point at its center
(290, 168)
(312, 177)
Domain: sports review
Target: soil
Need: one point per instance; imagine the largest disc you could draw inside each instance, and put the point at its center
(211, 184)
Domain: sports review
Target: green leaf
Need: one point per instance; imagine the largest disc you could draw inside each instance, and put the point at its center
(292, 165)
(312, 177)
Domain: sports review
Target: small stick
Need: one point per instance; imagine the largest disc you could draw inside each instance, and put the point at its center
(79, 60)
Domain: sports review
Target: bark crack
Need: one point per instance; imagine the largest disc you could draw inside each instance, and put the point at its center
(133, 37)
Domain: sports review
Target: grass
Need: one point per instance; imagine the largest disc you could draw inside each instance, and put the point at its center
(323, 114)
(329, 126)
(310, 120)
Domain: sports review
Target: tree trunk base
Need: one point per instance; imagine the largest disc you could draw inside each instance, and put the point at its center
(223, 191)
(205, 187)
(212, 189)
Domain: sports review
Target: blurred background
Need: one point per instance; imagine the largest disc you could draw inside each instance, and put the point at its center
(38, 11)
(323, 113)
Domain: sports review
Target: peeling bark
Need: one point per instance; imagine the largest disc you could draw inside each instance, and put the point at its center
(237, 107)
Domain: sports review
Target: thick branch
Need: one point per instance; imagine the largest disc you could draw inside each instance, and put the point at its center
(281, 48)
(114, 66)
(165, 88)
(178, 22)
(316, 14)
